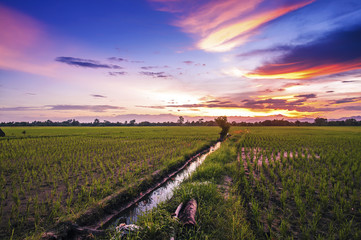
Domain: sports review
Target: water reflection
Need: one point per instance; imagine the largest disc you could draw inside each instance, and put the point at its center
(162, 193)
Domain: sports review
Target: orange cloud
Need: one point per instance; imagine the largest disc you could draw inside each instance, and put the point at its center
(235, 34)
(214, 14)
(335, 52)
(224, 25)
(303, 71)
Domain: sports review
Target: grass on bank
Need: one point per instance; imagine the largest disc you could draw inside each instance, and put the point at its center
(218, 216)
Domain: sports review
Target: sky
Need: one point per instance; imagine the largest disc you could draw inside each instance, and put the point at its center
(156, 60)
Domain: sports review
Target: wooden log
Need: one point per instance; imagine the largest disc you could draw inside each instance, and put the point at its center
(187, 213)
(176, 213)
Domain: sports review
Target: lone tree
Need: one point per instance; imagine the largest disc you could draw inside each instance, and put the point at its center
(180, 120)
(2, 134)
(224, 125)
(96, 122)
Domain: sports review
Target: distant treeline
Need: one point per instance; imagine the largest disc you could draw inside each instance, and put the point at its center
(181, 122)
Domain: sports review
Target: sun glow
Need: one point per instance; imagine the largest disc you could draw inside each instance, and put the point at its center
(288, 98)
(241, 112)
(175, 98)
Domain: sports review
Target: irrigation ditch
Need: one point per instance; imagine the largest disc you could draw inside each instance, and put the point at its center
(122, 207)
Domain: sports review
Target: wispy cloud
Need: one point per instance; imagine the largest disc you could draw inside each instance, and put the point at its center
(92, 108)
(149, 67)
(293, 103)
(191, 63)
(97, 96)
(224, 25)
(155, 74)
(118, 59)
(281, 104)
(153, 67)
(346, 100)
(188, 62)
(336, 52)
(117, 73)
(19, 109)
(353, 108)
(265, 51)
(306, 96)
(86, 63)
(154, 107)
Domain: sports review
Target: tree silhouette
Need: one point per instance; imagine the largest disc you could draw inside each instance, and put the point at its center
(321, 121)
(96, 122)
(180, 120)
(224, 125)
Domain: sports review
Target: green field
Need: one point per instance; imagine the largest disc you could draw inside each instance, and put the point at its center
(271, 183)
(51, 174)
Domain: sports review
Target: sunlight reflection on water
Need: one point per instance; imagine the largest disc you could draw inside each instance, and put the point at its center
(162, 193)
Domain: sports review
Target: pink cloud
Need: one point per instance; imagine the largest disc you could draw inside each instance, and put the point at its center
(18, 32)
(223, 25)
(23, 41)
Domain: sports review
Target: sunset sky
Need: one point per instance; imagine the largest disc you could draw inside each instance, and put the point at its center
(157, 60)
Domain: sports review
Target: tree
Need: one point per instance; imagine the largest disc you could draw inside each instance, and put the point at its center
(351, 122)
(96, 122)
(320, 121)
(224, 125)
(180, 120)
(132, 122)
(75, 123)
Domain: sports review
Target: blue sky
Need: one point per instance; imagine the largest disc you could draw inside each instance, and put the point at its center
(160, 59)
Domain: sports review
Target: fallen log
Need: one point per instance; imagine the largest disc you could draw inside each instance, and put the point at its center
(186, 213)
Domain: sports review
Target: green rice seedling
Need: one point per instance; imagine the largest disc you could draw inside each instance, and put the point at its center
(270, 217)
(321, 170)
(255, 209)
(339, 213)
(284, 228)
(345, 230)
(283, 198)
(314, 222)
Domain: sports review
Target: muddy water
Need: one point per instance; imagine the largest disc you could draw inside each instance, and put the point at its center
(162, 193)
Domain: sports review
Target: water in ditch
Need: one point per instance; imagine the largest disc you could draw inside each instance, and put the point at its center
(162, 193)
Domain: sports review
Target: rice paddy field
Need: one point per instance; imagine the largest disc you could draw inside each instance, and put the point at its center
(271, 183)
(52, 174)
